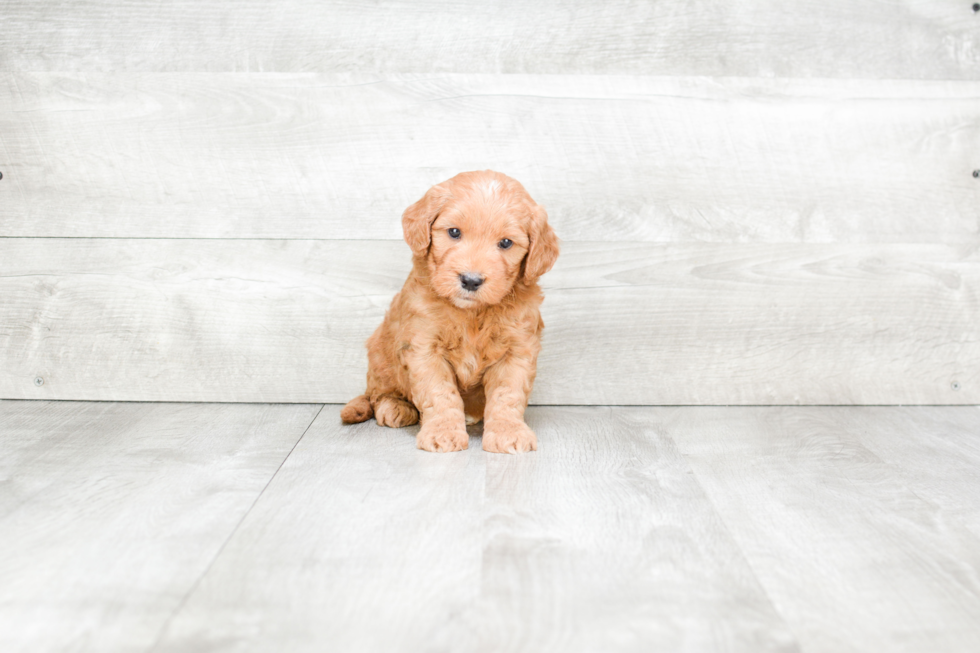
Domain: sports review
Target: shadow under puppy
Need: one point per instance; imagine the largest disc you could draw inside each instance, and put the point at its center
(460, 342)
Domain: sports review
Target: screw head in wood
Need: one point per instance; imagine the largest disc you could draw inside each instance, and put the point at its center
(1, 175)
(955, 385)
(38, 382)
(976, 6)
(976, 174)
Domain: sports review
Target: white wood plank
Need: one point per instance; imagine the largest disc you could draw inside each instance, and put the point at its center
(612, 157)
(763, 324)
(935, 449)
(626, 323)
(606, 542)
(109, 513)
(853, 558)
(363, 543)
(832, 38)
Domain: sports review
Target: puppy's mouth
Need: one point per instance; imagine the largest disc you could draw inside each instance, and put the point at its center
(467, 293)
(465, 299)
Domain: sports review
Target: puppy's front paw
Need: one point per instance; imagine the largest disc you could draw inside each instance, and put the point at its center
(508, 437)
(441, 437)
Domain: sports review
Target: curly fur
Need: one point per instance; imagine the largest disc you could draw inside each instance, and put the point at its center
(451, 356)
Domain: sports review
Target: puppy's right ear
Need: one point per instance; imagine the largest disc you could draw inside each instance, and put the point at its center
(543, 249)
(418, 218)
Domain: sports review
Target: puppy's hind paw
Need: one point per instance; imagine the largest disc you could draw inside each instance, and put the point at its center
(509, 437)
(357, 410)
(395, 413)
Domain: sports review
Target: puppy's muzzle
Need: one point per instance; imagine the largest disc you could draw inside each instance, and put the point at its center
(471, 281)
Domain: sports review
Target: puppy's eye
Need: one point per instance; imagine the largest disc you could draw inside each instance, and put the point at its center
(505, 243)
(454, 233)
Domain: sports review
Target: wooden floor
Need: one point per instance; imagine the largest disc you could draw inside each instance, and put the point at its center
(244, 527)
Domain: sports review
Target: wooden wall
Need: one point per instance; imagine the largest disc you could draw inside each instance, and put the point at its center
(760, 202)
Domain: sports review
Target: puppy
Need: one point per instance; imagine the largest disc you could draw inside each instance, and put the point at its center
(460, 342)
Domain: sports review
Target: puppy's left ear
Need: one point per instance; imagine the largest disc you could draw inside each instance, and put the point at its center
(418, 218)
(543, 250)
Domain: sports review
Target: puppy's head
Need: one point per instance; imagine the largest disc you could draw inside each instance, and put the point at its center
(480, 233)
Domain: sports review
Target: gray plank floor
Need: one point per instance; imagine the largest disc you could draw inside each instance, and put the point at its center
(243, 527)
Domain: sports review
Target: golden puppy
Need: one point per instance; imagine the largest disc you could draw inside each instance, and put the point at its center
(460, 342)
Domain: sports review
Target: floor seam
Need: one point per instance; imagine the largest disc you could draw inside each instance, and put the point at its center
(731, 535)
(190, 592)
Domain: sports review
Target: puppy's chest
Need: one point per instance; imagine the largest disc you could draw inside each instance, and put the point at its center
(471, 352)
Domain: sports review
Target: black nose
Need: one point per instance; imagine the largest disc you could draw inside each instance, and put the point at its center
(471, 281)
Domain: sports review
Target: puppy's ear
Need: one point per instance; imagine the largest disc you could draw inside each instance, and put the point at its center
(543, 250)
(418, 218)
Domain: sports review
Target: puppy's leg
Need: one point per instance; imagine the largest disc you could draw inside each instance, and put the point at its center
(507, 385)
(435, 394)
(394, 412)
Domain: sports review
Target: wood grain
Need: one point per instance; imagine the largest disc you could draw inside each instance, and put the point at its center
(851, 555)
(135, 527)
(613, 158)
(109, 513)
(364, 542)
(254, 320)
(921, 39)
(606, 542)
(602, 540)
(935, 449)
